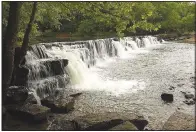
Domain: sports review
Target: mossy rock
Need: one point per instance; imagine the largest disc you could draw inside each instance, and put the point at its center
(126, 126)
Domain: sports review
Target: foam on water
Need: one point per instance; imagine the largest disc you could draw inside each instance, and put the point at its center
(85, 59)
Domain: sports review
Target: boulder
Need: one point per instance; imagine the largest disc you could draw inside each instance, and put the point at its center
(16, 95)
(29, 112)
(140, 122)
(60, 104)
(126, 126)
(99, 121)
(167, 97)
(31, 99)
(62, 124)
(180, 121)
(103, 121)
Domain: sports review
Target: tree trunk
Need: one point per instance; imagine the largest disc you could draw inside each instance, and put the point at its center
(27, 32)
(8, 45)
(20, 56)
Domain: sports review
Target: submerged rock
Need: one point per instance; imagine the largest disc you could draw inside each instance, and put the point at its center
(180, 121)
(16, 95)
(126, 126)
(167, 97)
(188, 95)
(59, 105)
(171, 88)
(29, 112)
(139, 122)
(189, 102)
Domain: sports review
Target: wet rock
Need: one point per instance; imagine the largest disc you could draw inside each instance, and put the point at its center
(63, 124)
(100, 121)
(167, 97)
(31, 99)
(3, 112)
(180, 85)
(16, 95)
(20, 76)
(188, 95)
(29, 112)
(126, 126)
(189, 102)
(140, 122)
(60, 104)
(180, 121)
(171, 88)
(56, 67)
(105, 125)
(75, 95)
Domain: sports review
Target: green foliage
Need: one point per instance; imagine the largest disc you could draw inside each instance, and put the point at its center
(94, 18)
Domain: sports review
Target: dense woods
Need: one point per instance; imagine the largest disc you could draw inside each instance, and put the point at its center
(103, 19)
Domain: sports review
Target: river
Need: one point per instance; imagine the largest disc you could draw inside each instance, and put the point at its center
(134, 84)
(123, 80)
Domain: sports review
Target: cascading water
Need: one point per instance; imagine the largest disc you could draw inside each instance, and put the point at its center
(63, 65)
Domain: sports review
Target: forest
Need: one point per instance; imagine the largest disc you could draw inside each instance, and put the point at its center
(91, 20)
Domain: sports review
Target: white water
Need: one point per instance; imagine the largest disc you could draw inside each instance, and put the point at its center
(85, 58)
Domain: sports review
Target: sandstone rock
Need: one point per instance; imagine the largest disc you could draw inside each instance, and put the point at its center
(180, 121)
(126, 126)
(167, 97)
(29, 112)
(16, 95)
(59, 105)
(63, 124)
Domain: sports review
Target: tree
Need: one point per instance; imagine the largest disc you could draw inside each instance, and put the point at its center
(8, 45)
(27, 32)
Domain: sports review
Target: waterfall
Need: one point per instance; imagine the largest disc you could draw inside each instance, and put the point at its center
(62, 65)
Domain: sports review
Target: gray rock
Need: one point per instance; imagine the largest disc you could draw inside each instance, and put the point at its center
(189, 95)
(189, 102)
(3, 113)
(60, 104)
(16, 95)
(180, 121)
(31, 99)
(29, 112)
(167, 97)
(140, 122)
(63, 124)
(105, 121)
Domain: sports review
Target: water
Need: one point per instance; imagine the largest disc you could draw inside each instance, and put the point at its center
(126, 76)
